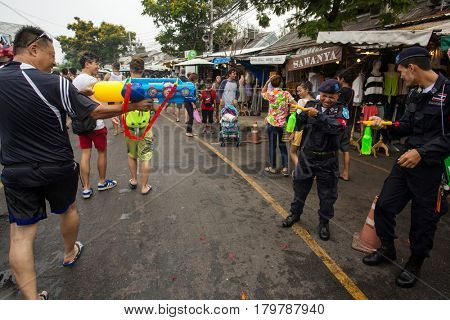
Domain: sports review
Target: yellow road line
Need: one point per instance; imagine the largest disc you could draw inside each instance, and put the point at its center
(338, 273)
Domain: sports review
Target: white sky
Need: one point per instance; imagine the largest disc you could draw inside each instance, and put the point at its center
(53, 16)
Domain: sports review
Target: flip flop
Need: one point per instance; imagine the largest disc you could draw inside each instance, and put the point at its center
(43, 295)
(346, 180)
(132, 185)
(72, 262)
(148, 191)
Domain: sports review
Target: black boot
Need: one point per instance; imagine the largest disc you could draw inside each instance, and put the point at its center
(324, 230)
(386, 253)
(290, 220)
(408, 277)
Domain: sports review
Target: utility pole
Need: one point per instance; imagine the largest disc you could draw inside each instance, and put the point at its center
(211, 28)
(129, 40)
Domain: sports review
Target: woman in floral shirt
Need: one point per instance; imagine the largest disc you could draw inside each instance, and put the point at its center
(279, 101)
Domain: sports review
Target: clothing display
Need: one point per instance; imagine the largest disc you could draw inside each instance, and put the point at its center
(391, 85)
(314, 78)
(373, 89)
(358, 88)
(242, 97)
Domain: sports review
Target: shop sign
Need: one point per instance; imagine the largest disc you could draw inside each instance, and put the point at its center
(191, 54)
(321, 57)
(268, 60)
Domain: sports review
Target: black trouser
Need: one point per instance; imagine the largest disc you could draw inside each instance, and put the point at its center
(190, 122)
(326, 172)
(420, 185)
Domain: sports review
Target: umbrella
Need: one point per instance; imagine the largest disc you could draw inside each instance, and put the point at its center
(195, 62)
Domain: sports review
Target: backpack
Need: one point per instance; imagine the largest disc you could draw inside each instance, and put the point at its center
(138, 119)
(85, 126)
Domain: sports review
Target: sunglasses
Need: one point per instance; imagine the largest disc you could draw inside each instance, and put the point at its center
(42, 35)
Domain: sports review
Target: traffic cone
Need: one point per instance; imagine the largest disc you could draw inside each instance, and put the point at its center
(255, 138)
(367, 240)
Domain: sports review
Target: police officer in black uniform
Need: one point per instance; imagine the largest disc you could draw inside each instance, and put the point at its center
(322, 126)
(419, 173)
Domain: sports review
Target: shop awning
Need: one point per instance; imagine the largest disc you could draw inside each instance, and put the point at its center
(381, 38)
(281, 59)
(195, 62)
(234, 53)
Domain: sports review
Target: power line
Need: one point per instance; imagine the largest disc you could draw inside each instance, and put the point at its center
(18, 13)
(51, 22)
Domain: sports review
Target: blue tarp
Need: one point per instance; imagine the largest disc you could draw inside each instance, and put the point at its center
(220, 60)
(259, 71)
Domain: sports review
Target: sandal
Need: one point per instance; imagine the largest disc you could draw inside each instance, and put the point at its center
(342, 178)
(72, 262)
(132, 185)
(270, 170)
(43, 295)
(148, 191)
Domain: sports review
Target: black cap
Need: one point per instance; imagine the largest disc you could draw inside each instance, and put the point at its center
(330, 86)
(412, 52)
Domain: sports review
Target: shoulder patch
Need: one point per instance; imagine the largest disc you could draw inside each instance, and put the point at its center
(346, 113)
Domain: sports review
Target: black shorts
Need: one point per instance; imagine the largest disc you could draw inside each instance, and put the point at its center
(344, 141)
(27, 188)
(207, 116)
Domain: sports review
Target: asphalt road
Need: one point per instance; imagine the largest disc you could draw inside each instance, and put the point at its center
(211, 229)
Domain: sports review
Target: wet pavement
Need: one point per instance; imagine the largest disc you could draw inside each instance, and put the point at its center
(204, 232)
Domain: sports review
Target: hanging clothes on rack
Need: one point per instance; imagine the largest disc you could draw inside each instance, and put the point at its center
(358, 88)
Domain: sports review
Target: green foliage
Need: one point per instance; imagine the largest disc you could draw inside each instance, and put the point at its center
(224, 34)
(184, 22)
(313, 16)
(108, 41)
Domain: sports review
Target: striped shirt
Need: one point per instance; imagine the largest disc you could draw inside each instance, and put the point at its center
(33, 110)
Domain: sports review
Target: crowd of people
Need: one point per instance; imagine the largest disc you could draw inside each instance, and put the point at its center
(43, 168)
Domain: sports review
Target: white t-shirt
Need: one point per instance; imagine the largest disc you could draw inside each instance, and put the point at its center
(82, 82)
(115, 77)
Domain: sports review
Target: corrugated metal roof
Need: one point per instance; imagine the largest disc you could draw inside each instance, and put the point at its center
(443, 25)
(9, 29)
(288, 44)
(420, 12)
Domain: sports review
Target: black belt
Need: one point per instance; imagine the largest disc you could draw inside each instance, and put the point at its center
(320, 155)
(36, 165)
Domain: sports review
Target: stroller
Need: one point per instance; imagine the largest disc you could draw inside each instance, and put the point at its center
(229, 128)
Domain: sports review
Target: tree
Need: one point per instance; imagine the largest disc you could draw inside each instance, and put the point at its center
(108, 41)
(313, 16)
(224, 35)
(185, 22)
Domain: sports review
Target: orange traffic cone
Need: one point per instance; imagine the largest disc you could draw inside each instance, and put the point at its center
(255, 138)
(367, 240)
